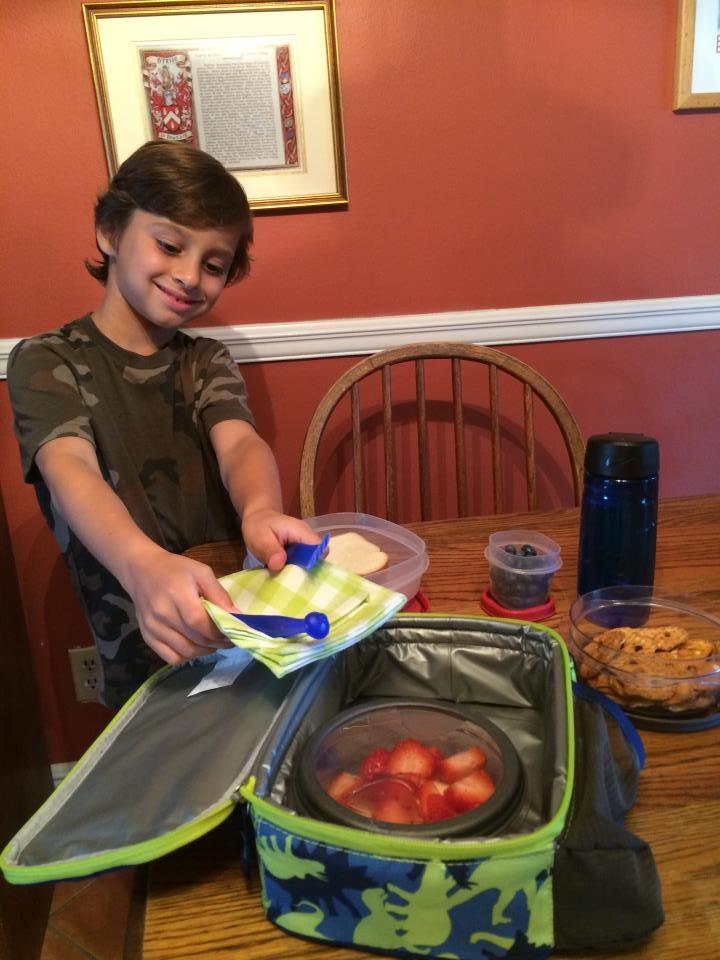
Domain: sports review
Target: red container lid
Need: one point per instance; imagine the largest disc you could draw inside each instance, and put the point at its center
(541, 612)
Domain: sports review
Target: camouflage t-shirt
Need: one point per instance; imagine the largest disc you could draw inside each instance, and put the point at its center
(149, 420)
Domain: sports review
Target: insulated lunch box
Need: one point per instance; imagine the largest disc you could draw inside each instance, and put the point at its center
(518, 892)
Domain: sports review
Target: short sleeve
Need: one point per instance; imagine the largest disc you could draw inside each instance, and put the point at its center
(46, 398)
(223, 394)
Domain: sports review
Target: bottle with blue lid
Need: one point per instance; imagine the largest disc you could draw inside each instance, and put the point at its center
(618, 516)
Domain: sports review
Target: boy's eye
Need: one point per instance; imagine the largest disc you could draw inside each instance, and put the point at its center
(216, 269)
(167, 247)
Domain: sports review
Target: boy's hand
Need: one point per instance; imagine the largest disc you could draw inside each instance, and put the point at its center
(250, 475)
(267, 532)
(166, 591)
(165, 588)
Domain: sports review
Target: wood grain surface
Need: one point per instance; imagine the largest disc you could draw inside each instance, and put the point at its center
(200, 905)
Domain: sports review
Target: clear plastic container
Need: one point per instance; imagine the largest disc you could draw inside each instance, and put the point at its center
(664, 673)
(467, 758)
(517, 580)
(407, 557)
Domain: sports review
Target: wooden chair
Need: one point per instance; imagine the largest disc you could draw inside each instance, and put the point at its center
(463, 411)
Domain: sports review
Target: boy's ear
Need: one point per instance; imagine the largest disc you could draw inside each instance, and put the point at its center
(105, 241)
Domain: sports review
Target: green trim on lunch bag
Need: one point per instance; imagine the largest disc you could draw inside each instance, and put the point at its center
(123, 856)
(404, 848)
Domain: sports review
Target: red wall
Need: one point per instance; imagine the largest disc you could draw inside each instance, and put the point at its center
(505, 153)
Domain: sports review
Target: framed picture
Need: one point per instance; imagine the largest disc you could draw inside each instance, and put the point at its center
(697, 68)
(255, 84)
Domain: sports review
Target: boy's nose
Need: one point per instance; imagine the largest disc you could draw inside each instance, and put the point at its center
(187, 274)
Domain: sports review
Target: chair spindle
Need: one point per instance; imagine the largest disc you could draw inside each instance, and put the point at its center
(390, 498)
(459, 426)
(423, 462)
(358, 465)
(530, 447)
(495, 439)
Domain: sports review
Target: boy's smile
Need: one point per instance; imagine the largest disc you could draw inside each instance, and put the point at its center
(177, 299)
(161, 276)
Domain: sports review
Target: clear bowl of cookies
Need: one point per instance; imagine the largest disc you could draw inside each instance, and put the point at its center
(654, 655)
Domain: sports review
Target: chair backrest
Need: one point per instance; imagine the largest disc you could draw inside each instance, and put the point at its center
(464, 412)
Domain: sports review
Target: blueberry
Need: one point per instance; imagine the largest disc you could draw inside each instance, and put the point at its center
(528, 551)
(511, 548)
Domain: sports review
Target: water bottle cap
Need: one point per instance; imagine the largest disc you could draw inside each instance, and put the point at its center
(622, 456)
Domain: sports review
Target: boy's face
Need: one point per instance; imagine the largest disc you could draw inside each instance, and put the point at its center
(168, 274)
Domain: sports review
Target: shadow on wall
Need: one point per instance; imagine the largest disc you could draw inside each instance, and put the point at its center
(261, 403)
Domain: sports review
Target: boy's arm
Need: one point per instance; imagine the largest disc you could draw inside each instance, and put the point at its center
(165, 588)
(250, 474)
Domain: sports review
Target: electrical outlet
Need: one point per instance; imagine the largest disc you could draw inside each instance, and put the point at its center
(85, 673)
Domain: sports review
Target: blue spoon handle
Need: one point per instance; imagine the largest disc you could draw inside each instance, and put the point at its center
(316, 625)
(305, 555)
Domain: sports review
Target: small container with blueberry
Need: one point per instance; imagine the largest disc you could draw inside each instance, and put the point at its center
(522, 564)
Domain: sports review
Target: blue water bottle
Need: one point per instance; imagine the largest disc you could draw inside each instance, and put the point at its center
(618, 517)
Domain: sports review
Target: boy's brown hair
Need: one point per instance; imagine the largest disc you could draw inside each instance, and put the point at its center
(181, 183)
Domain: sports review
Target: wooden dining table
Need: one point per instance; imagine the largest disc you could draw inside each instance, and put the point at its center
(198, 903)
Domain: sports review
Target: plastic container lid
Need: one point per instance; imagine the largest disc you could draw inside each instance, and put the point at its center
(547, 559)
(622, 456)
(542, 611)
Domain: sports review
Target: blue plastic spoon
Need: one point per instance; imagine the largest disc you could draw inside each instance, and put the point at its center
(306, 555)
(314, 624)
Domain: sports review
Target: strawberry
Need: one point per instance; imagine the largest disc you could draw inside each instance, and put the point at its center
(412, 779)
(397, 789)
(429, 789)
(470, 791)
(365, 797)
(359, 802)
(461, 764)
(392, 811)
(411, 758)
(341, 785)
(437, 808)
(438, 756)
(392, 799)
(375, 764)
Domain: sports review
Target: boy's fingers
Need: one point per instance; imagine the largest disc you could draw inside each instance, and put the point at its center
(173, 647)
(276, 561)
(177, 649)
(269, 550)
(211, 589)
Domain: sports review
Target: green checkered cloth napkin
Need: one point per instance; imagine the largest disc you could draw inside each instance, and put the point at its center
(353, 605)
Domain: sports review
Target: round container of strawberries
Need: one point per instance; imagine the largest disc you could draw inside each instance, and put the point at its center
(410, 766)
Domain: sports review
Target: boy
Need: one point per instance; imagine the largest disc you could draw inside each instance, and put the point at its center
(137, 437)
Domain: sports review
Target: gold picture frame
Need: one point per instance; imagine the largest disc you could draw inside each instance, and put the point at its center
(174, 69)
(697, 66)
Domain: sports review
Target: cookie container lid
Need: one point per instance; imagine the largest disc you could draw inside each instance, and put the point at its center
(654, 655)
